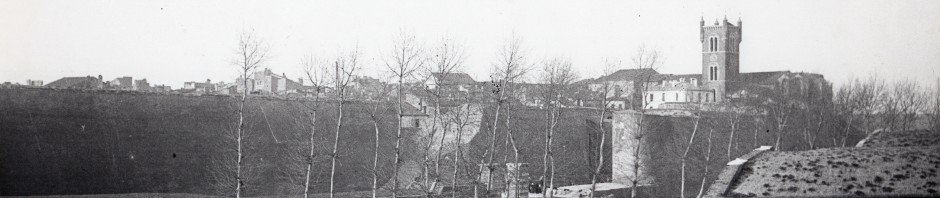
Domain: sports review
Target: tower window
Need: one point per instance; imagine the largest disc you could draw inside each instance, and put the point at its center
(713, 73)
(713, 44)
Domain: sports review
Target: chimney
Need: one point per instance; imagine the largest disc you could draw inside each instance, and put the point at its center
(337, 75)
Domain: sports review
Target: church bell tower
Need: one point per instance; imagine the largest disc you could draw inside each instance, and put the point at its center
(720, 44)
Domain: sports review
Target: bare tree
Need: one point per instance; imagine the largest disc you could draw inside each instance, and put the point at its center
(733, 119)
(781, 111)
(509, 67)
(645, 61)
(708, 157)
(345, 68)
(685, 155)
(933, 101)
(251, 54)
(446, 58)
(856, 103)
(604, 97)
(316, 72)
(901, 104)
(867, 96)
(379, 99)
(461, 118)
(845, 108)
(406, 57)
(556, 77)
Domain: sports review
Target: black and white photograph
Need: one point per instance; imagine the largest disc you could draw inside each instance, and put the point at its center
(469, 99)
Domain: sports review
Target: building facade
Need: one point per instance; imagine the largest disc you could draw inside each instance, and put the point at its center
(719, 82)
(267, 82)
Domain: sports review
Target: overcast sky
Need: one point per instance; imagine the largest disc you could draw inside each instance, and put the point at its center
(170, 42)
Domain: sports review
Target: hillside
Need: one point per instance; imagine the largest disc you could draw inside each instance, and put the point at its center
(105, 142)
(668, 136)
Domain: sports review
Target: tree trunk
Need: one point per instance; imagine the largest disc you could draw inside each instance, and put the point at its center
(600, 155)
(685, 155)
(339, 123)
(548, 150)
(397, 140)
(456, 161)
(440, 149)
(489, 163)
(845, 132)
(708, 157)
(313, 131)
(734, 123)
(238, 137)
(636, 156)
(375, 157)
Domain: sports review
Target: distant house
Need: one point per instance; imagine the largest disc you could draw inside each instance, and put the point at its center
(87, 82)
(141, 85)
(413, 118)
(34, 83)
(122, 83)
(266, 82)
(199, 87)
(365, 88)
(161, 88)
(458, 81)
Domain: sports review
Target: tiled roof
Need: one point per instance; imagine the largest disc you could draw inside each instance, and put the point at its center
(761, 77)
(669, 77)
(75, 82)
(454, 78)
(628, 74)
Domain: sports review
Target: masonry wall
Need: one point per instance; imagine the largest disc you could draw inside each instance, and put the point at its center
(105, 142)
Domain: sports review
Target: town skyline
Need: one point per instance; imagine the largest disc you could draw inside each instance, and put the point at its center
(174, 42)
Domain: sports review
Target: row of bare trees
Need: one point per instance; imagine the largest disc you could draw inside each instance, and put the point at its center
(871, 104)
(408, 62)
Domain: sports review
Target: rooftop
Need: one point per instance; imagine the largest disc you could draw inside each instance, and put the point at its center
(454, 78)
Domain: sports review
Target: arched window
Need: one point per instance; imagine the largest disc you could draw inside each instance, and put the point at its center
(713, 73)
(663, 98)
(711, 44)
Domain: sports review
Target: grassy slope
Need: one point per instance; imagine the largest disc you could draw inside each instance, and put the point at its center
(669, 136)
(75, 142)
(844, 171)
